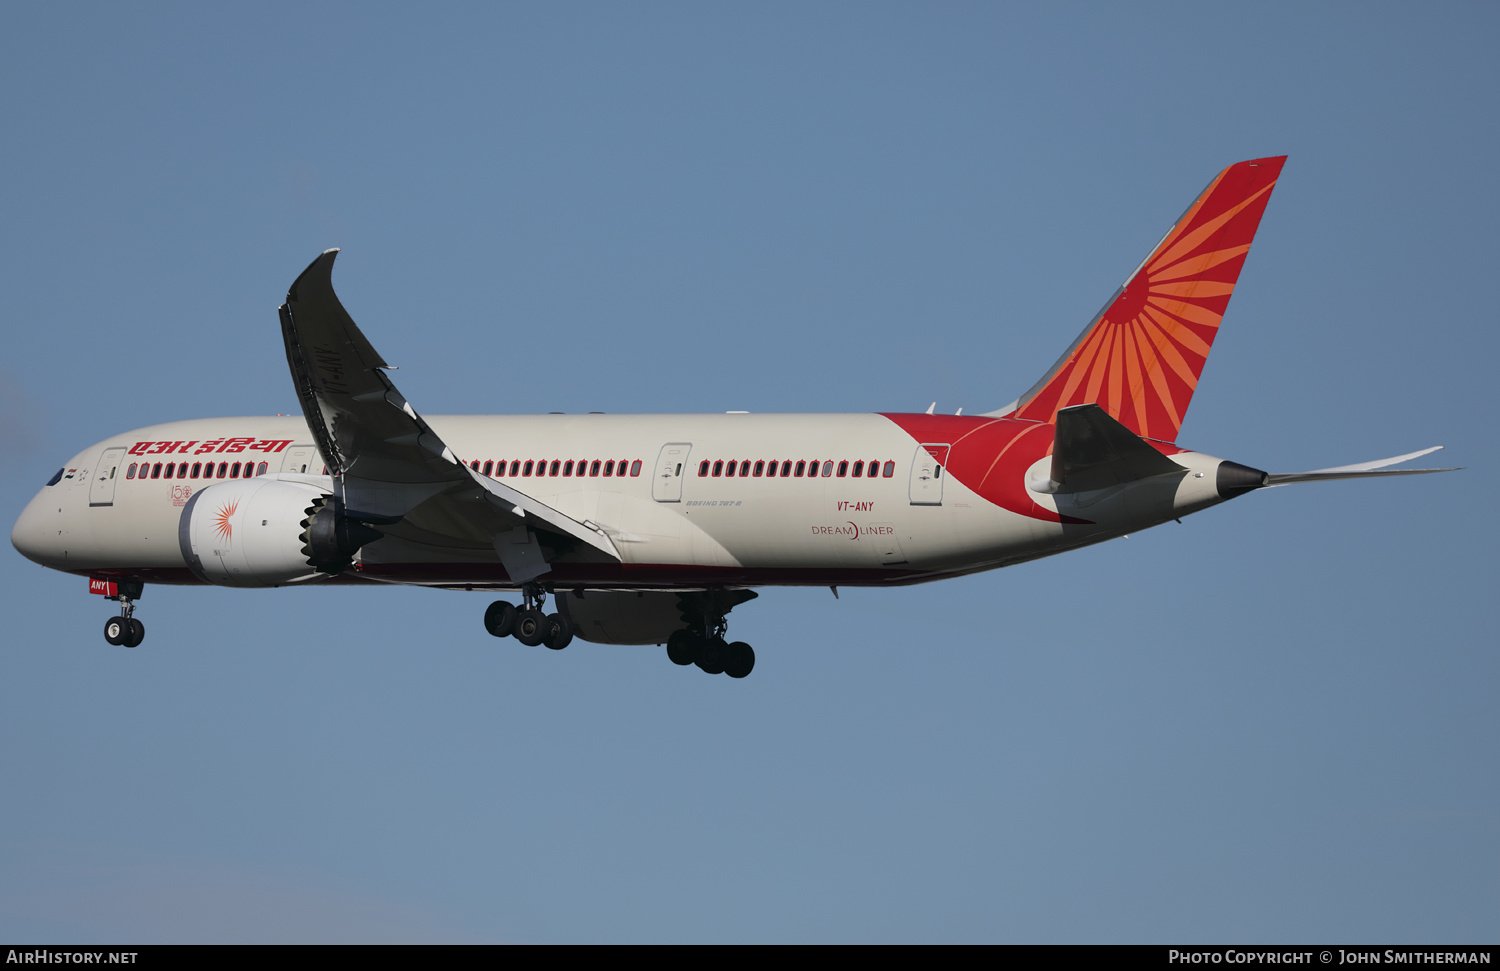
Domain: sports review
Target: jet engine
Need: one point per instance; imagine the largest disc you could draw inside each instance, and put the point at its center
(266, 532)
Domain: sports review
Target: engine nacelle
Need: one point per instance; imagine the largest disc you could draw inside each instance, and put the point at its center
(253, 533)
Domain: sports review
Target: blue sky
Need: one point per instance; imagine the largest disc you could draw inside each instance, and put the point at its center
(1275, 722)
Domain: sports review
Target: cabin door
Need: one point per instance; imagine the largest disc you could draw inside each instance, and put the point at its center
(102, 489)
(671, 466)
(927, 475)
(299, 459)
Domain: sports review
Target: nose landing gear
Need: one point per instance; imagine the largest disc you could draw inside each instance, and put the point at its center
(125, 630)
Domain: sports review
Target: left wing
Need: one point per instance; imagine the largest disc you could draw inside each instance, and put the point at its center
(391, 472)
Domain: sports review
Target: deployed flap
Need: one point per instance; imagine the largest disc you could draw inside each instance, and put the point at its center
(1093, 451)
(389, 468)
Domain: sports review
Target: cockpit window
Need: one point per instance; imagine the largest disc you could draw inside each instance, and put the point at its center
(56, 478)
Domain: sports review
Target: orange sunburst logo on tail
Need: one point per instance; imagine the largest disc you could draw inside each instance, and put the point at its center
(1140, 359)
(222, 525)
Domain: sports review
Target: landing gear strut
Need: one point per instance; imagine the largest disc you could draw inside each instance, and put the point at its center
(530, 625)
(702, 641)
(125, 630)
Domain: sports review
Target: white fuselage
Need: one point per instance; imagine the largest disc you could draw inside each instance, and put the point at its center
(678, 519)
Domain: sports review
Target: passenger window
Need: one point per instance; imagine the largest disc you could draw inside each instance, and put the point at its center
(170, 469)
(786, 468)
(488, 465)
(889, 470)
(828, 468)
(801, 467)
(182, 471)
(555, 464)
(730, 469)
(526, 469)
(223, 469)
(635, 468)
(859, 468)
(129, 473)
(609, 468)
(761, 467)
(594, 469)
(843, 469)
(475, 465)
(719, 467)
(702, 468)
(156, 471)
(515, 466)
(567, 468)
(261, 470)
(234, 471)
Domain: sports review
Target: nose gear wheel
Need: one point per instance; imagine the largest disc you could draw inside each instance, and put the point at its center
(124, 630)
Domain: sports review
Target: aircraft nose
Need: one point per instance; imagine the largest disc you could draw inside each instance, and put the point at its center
(35, 536)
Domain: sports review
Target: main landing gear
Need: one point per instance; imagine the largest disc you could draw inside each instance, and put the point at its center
(125, 630)
(529, 625)
(702, 641)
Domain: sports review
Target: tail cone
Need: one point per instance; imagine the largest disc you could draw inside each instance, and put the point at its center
(1234, 479)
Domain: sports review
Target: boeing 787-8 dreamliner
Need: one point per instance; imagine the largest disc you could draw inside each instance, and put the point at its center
(649, 529)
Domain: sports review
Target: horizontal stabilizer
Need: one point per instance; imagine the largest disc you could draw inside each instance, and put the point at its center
(1361, 470)
(1093, 451)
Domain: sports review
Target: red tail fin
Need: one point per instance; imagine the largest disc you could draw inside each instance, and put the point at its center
(1140, 358)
